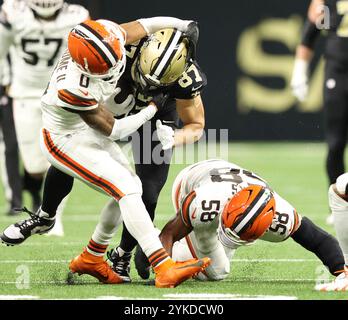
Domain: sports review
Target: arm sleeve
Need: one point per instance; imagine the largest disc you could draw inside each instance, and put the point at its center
(126, 126)
(310, 34)
(152, 25)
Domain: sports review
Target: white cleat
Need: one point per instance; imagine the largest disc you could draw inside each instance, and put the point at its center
(339, 284)
(330, 220)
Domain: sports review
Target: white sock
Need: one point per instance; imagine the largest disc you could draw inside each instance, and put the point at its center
(110, 219)
(139, 224)
(339, 208)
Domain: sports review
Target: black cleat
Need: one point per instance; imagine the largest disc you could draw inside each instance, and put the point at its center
(142, 263)
(120, 264)
(17, 233)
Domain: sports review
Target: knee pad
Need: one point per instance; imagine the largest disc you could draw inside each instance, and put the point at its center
(342, 184)
(337, 204)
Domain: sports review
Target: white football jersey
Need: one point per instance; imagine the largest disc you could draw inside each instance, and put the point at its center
(70, 90)
(36, 44)
(204, 189)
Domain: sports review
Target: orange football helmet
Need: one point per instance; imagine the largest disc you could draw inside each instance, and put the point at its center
(247, 216)
(97, 48)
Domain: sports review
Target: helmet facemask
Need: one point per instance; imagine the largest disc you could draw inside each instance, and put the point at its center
(45, 8)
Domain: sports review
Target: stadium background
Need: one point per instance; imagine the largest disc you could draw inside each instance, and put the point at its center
(246, 49)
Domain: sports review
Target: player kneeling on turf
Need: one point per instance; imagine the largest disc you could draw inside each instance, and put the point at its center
(221, 207)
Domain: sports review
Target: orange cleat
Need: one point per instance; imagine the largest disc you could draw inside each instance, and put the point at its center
(170, 274)
(87, 263)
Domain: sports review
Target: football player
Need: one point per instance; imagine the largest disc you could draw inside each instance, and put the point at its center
(78, 140)
(163, 63)
(221, 207)
(36, 32)
(338, 200)
(9, 161)
(336, 77)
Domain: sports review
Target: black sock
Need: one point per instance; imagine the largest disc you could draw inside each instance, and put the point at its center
(322, 244)
(57, 186)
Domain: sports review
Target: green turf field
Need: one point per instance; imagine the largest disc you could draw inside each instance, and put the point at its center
(294, 170)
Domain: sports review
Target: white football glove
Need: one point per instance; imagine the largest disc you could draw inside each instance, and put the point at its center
(299, 81)
(165, 135)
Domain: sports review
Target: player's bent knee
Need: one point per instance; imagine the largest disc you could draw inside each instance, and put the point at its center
(336, 202)
(342, 184)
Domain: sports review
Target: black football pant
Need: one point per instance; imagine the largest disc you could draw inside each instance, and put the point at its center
(152, 172)
(336, 117)
(11, 150)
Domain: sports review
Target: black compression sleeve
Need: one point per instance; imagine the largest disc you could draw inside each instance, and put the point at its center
(322, 244)
(310, 34)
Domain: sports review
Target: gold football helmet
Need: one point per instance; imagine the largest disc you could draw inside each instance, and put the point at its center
(162, 60)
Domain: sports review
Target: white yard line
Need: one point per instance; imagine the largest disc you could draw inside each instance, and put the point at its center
(77, 218)
(234, 260)
(18, 297)
(220, 296)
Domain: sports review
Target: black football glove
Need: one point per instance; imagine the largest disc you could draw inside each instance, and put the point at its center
(160, 100)
(192, 34)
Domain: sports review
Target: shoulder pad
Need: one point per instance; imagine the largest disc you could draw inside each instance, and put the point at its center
(191, 83)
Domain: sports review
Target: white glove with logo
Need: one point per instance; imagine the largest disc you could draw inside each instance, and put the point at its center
(165, 135)
(299, 81)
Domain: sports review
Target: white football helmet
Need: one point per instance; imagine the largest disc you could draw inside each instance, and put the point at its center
(45, 8)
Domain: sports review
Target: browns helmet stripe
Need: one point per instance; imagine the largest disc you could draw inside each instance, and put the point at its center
(98, 45)
(95, 47)
(93, 43)
(113, 53)
(107, 45)
(165, 59)
(253, 211)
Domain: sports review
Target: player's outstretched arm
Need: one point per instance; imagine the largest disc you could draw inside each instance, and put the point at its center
(322, 244)
(141, 28)
(173, 231)
(103, 121)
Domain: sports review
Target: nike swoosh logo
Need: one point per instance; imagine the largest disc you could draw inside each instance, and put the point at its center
(170, 122)
(199, 264)
(84, 92)
(196, 88)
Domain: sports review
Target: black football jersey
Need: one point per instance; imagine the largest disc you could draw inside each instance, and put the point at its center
(337, 38)
(189, 85)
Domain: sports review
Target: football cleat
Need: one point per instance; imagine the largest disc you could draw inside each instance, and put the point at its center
(120, 263)
(97, 267)
(339, 284)
(17, 233)
(174, 273)
(142, 263)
